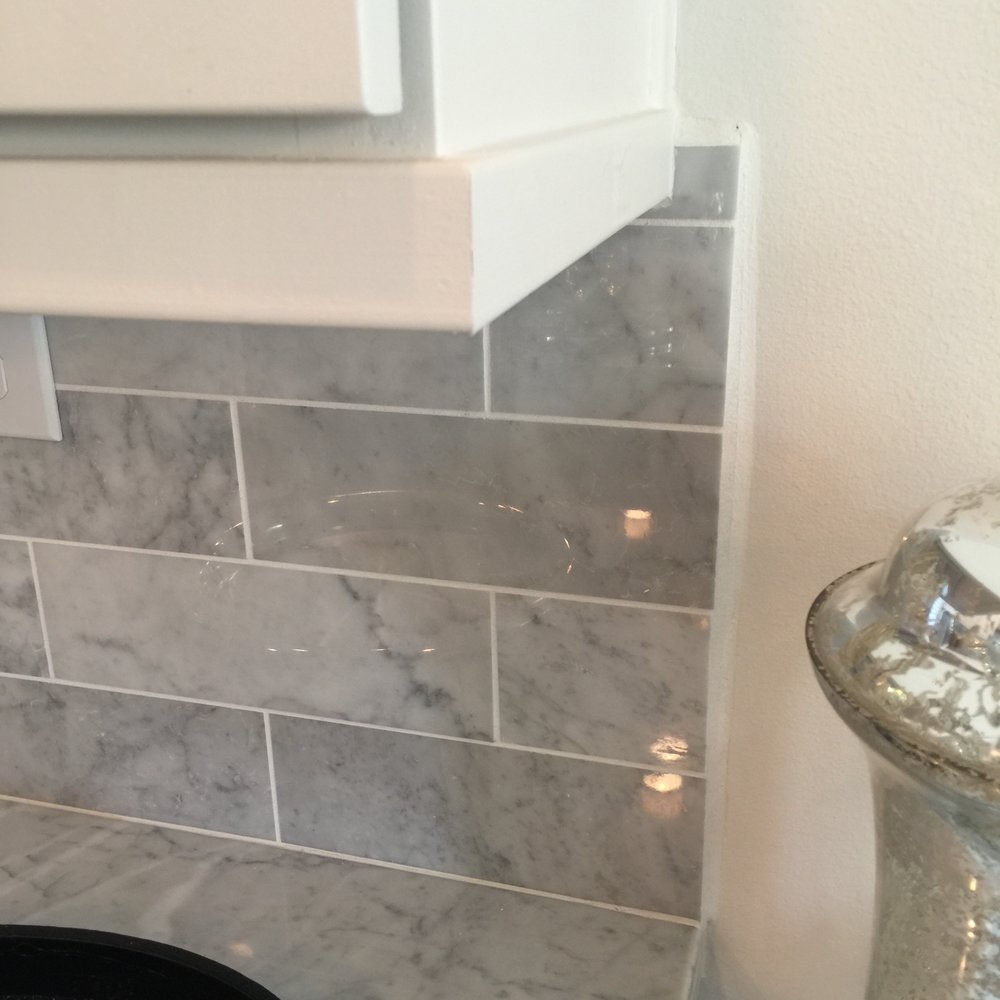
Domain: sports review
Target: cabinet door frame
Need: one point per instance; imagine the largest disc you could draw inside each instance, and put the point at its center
(199, 57)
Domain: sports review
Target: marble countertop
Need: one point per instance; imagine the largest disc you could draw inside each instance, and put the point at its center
(314, 927)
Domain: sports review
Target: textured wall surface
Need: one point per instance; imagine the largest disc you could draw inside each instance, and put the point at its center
(877, 370)
(429, 599)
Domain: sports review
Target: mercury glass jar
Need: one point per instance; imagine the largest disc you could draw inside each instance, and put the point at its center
(908, 653)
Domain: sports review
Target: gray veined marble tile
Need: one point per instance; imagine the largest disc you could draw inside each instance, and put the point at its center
(314, 928)
(324, 364)
(706, 180)
(403, 655)
(139, 472)
(611, 512)
(146, 757)
(635, 330)
(579, 828)
(604, 681)
(22, 647)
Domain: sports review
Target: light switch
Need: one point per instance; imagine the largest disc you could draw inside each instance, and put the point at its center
(28, 406)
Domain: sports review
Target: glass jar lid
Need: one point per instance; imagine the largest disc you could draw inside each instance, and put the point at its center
(912, 645)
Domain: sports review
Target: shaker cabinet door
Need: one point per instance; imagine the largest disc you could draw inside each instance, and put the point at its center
(199, 57)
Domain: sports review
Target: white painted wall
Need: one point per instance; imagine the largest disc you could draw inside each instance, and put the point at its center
(877, 387)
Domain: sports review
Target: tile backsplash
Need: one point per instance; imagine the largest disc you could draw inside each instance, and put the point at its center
(424, 598)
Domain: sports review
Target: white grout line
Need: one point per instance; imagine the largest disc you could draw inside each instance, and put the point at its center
(327, 720)
(686, 223)
(355, 859)
(272, 776)
(487, 371)
(259, 563)
(41, 609)
(495, 668)
(241, 476)
(638, 425)
(523, 418)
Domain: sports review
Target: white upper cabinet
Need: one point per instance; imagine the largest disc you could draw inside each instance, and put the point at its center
(196, 57)
(380, 163)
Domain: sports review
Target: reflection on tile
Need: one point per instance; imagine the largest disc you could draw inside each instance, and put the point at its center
(635, 330)
(706, 179)
(402, 655)
(136, 756)
(22, 648)
(141, 472)
(579, 828)
(532, 505)
(605, 681)
(391, 367)
(315, 927)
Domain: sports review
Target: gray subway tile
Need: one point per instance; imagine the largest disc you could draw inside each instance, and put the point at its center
(146, 757)
(22, 647)
(392, 367)
(403, 655)
(623, 683)
(635, 330)
(132, 471)
(313, 928)
(706, 180)
(610, 512)
(580, 828)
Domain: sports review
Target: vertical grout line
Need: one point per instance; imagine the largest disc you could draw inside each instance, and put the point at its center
(41, 609)
(271, 774)
(495, 667)
(487, 372)
(241, 476)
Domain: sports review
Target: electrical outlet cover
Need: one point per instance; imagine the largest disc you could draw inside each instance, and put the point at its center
(28, 407)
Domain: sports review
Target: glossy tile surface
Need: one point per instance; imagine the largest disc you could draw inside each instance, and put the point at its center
(635, 330)
(402, 655)
(136, 756)
(604, 681)
(578, 828)
(142, 472)
(22, 648)
(316, 928)
(392, 367)
(530, 505)
(706, 180)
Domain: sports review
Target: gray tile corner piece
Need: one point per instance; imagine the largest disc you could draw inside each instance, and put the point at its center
(22, 645)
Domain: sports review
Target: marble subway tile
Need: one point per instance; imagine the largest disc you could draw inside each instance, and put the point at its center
(579, 828)
(312, 927)
(135, 756)
(609, 512)
(132, 471)
(706, 181)
(390, 367)
(403, 655)
(604, 681)
(22, 647)
(635, 330)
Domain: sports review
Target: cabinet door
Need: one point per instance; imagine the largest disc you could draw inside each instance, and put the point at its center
(198, 57)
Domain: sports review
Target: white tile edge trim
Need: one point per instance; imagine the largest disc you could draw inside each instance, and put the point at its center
(241, 477)
(272, 779)
(43, 624)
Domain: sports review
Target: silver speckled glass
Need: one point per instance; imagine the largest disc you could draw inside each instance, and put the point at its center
(908, 653)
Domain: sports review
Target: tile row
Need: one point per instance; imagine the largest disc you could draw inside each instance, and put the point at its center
(603, 681)
(609, 512)
(571, 827)
(634, 331)
(316, 926)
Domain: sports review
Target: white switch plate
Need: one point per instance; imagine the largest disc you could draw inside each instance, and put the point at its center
(28, 406)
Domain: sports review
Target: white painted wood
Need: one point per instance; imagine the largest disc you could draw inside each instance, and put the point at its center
(131, 57)
(440, 244)
(476, 73)
(28, 407)
(506, 69)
